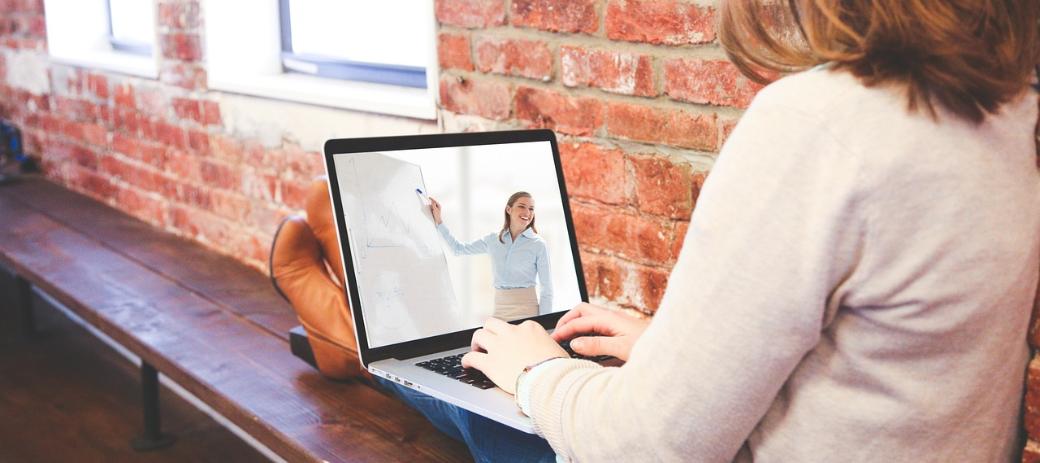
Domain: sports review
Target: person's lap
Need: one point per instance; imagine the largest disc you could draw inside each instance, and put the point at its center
(487, 440)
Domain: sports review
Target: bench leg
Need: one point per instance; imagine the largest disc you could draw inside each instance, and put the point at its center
(23, 309)
(153, 438)
(17, 316)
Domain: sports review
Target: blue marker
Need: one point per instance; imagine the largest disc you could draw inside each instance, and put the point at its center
(422, 197)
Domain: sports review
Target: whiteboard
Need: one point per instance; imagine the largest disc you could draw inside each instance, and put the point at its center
(400, 267)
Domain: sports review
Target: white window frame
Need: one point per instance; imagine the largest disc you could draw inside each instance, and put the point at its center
(244, 55)
(78, 33)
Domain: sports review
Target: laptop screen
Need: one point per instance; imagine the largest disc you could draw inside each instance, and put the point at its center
(500, 248)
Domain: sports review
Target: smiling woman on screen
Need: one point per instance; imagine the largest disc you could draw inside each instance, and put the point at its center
(518, 256)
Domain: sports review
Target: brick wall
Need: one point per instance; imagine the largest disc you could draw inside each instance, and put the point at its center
(639, 92)
(641, 96)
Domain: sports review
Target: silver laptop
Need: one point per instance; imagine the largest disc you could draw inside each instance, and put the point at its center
(417, 290)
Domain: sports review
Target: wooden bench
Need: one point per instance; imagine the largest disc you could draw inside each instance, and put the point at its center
(205, 321)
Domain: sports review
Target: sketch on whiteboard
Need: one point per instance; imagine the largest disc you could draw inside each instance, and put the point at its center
(395, 226)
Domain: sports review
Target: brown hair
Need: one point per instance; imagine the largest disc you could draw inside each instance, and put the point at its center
(509, 203)
(969, 56)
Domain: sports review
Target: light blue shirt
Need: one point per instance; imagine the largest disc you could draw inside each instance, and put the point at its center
(514, 264)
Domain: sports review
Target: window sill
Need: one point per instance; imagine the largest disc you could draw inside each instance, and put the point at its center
(125, 63)
(363, 96)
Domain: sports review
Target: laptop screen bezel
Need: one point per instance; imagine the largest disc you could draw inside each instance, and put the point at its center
(454, 340)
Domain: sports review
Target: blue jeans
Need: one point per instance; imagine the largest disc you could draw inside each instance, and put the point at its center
(488, 440)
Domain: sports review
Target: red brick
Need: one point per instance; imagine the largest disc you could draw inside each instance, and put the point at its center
(471, 13)
(74, 109)
(594, 172)
(98, 85)
(680, 235)
(124, 96)
(697, 181)
(184, 165)
(94, 134)
(453, 52)
(198, 141)
(127, 120)
(181, 46)
(202, 225)
(726, 127)
(616, 72)
(565, 114)
(170, 135)
(603, 276)
(210, 113)
(141, 205)
(83, 157)
(625, 235)
(1031, 453)
(218, 175)
(515, 57)
(716, 82)
(184, 75)
(652, 283)
(94, 184)
(484, 98)
(202, 112)
(1032, 399)
(660, 125)
(179, 15)
(662, 187)
(556, 15)
(667, 22)
(186, 108)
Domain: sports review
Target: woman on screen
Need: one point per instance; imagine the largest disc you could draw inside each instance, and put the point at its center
(518, 255)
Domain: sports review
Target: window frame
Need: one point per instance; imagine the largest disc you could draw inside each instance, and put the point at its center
(78, 34)
(250, 62)
(343, 69)
(132, 47)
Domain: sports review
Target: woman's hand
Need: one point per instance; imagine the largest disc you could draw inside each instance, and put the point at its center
(597, 331)
(508, 349)
(435, 209)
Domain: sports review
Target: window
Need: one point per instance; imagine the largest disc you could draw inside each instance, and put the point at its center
(116, 35)
(131, 26)
(335, 39)
(371, 56)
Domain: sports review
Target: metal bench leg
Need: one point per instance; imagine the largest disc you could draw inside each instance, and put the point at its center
(16, 318)
(153, 438)
(23, 309)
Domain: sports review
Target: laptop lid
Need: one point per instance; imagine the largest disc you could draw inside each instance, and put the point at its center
(417, 288)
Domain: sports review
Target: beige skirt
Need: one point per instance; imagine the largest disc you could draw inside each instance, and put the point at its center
(516, 303)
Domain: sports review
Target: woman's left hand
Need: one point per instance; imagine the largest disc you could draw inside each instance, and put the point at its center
(508, 349)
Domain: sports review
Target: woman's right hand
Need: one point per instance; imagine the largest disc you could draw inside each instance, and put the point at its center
(597, 331)
(435, 209)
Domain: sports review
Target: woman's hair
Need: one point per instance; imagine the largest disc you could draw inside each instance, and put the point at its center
(969, 56)
(509, 203)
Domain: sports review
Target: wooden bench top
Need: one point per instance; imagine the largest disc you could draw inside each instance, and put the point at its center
(206, 321)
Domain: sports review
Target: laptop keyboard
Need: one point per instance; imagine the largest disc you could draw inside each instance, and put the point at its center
(451, 366)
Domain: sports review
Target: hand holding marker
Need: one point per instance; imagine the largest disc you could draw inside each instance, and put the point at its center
(435, 207)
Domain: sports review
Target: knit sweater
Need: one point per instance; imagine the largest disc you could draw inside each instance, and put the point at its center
(855, 285)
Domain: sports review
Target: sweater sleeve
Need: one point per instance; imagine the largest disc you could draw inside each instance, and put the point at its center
(778, 225)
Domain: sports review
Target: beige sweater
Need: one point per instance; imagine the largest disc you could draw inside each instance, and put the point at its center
(855, 285)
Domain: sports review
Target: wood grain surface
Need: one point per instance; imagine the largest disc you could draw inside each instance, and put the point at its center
(207, 322)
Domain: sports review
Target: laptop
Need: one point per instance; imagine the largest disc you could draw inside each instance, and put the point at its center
(419, 290)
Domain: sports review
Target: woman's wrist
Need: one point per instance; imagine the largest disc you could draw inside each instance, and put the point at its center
(524, 381)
